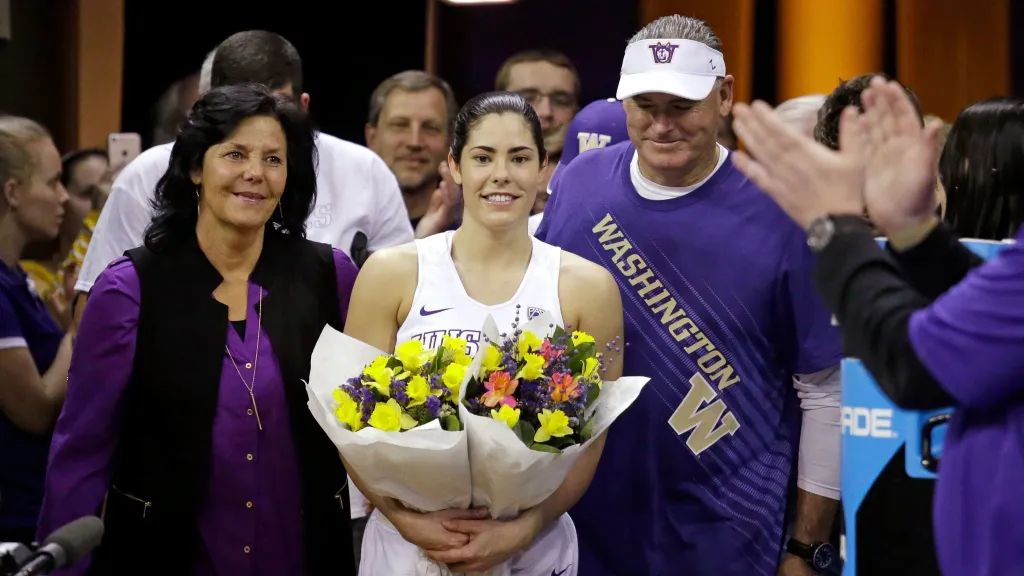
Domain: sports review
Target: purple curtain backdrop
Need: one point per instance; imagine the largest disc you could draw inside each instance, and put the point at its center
(475, 40)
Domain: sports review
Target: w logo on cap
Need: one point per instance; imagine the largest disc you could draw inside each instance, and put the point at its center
(663, 52)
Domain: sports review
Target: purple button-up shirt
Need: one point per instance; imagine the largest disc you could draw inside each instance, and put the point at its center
(252, 521)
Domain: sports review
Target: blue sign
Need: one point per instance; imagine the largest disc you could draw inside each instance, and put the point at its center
(873, 429)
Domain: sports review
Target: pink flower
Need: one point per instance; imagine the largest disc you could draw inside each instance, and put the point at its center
(500, 387)
(549, 351)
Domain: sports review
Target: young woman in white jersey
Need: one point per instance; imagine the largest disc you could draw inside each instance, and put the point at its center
(448, 284)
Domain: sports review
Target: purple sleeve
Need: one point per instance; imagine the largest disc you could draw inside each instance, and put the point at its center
(346, 272)
(85, 437)
(970, 338)
(11, 335)
(815, 344)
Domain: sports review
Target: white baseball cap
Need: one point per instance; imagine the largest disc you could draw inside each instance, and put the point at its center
(684, 68)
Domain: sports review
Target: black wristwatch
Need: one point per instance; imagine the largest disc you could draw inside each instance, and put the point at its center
(819, 556)
(823, 229)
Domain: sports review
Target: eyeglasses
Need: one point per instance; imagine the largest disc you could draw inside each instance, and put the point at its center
(559, 99)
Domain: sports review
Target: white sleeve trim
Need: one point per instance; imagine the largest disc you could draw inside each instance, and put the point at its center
(13, 342)
(818, 466)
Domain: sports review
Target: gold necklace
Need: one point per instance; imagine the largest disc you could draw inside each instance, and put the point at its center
(255, 362)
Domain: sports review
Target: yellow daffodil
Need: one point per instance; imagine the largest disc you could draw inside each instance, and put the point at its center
(380, 375)
(417, 390)
(491, 362)
(528, 342)
(581, 338)
(533, 369)
(456, 347)
(348, 411)
(412, 355)
(590, 368)
(390, 417)
(507, 414)
(452, 378)
(551, 424)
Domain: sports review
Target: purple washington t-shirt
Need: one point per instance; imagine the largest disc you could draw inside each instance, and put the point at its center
(720, 313)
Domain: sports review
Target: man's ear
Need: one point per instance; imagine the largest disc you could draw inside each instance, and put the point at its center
(725, 93)
(304, 101)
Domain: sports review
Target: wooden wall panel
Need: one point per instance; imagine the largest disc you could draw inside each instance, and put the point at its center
(732, 20)
(821, 41)
(99, 68)
(952, 56)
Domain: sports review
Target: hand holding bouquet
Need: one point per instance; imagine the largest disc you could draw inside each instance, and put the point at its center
(534, 401)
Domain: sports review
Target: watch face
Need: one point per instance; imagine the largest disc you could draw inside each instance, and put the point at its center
(824, 556)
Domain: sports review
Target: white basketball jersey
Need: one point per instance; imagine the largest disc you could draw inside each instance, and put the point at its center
(441, 305)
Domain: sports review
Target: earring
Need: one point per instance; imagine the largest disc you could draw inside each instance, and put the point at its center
(280, 211)
(198, 187)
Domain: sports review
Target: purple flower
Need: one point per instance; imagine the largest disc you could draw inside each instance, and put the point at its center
(433, 406)
(398, 392)
(369, 402)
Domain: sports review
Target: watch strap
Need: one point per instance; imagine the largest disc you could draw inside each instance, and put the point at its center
(801, 550)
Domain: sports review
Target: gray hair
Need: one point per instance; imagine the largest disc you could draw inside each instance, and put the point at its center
(678, 27)
(412, 81)
(206, 73)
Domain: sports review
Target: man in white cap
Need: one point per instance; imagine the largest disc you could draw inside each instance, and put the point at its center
(722, 315)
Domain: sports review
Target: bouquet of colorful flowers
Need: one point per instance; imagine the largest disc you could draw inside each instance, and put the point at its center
(394, 417)
(534, 401)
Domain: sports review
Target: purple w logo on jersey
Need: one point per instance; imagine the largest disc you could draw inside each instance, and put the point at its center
(532, 312)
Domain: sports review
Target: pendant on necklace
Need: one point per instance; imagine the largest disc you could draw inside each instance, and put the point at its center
(256, 410)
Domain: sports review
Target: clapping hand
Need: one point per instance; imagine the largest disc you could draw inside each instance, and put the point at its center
(900, 160)
(885, 162)
(444, 207)
(806, 179)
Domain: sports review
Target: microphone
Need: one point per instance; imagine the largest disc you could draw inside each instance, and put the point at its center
(65, 546)
(12, 555)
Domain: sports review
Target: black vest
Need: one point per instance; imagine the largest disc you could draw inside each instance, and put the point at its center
(162, 463)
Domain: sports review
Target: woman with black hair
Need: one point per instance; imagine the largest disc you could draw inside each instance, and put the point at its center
(186, 423)
(982, 170)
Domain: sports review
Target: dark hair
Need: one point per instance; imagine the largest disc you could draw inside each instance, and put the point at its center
(257, 56)
(214, 117)
(847, 94)
(495, 103)
(553, 57)
(72, 159)
(982, 169)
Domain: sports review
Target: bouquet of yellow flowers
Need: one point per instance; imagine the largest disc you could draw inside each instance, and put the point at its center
(394, 417)
(535, 400)
(400, 391)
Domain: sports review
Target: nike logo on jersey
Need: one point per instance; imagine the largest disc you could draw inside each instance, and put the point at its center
(425, 312)
(562, 571)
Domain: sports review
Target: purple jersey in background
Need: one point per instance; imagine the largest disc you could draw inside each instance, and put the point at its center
(720, 313)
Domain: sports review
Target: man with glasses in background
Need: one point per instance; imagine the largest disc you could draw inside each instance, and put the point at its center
(549, 82)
